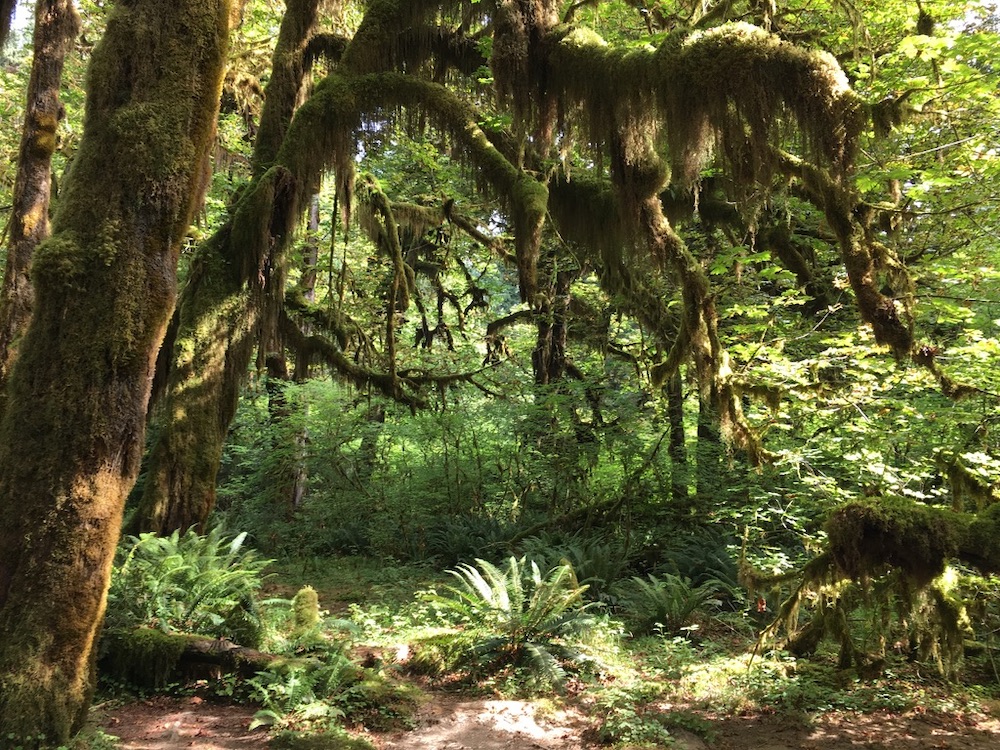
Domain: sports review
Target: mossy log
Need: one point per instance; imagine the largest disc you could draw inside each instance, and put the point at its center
(149, 658)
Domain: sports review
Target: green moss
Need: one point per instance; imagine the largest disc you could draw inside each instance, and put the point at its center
(305, 607)
(867, 537)
(144, 657)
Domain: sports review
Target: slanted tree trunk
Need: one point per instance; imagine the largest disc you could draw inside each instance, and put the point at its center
(219, 317)
(72, 434)
(56, 26)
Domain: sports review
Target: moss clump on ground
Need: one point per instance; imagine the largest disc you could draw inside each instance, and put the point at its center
(867, 536)
(305, 608)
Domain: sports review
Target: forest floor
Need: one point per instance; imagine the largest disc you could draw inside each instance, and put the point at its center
(453, 720)
(449, 721)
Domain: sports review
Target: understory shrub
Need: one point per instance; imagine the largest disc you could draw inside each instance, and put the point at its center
(665, 603)
(598, 562)
(191, 583)
(512, 617)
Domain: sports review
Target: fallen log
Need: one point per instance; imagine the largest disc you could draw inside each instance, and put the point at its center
(149, 658)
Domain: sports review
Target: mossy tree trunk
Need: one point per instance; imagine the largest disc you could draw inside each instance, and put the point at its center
(677, 449)
(219, 315)
(72, 433)
(56, 26)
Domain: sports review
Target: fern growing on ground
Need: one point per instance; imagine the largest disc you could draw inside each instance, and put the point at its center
(511, 617)
(666, 602)
(190, 583)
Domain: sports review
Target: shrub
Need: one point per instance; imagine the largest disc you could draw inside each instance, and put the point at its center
(666, 602)
(515, 617)
(190, 583)
(598, 563)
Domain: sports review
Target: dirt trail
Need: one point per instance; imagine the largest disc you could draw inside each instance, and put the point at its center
(451, 722)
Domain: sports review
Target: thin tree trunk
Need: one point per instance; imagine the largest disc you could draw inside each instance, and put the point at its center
(709, 453)
(677, 449)
(72, 434)
(549, 357)
(56, 26)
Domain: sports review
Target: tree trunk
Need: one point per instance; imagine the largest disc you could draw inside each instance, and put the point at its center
(677, 448)
(220, 313)
(549, 357)
(72, 434)
(56, 26)
(710, 455)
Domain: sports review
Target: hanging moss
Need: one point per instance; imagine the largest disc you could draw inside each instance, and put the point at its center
(737, 78)
(726, 86)
(378, 42)
(866, 537)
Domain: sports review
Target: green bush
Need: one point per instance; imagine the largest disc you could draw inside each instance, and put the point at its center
(665, 603)
(515, 617)
(599, 563)
(189, 583)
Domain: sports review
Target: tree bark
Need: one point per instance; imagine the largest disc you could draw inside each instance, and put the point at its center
(677, 449)
(56, 26)
(220, 314)
(72, 434)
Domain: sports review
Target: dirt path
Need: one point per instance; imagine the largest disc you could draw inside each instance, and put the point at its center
(451, 722)
(163, 723)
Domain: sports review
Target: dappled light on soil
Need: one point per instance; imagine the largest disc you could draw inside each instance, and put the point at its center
(166, 724)
(453, 722)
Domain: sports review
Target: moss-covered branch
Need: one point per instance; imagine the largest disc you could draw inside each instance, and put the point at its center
(727, 86)
(890, 323)
(894, 539)
(403, 386)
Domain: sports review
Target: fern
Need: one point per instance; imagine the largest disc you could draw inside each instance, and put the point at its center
(190, 583)
(516, 617)
(667, 602)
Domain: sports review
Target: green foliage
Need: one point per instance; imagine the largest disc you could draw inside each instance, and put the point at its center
(598, 563)
(188, 582)
(666, 603)
(302, 693)
(627, 719)
(515, 617)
